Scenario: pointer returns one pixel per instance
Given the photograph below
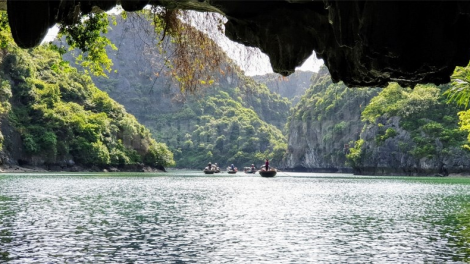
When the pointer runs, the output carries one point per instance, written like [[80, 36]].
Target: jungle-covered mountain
[[53, 116], [229, 119], [391, 131]]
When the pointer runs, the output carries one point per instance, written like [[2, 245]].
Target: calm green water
[[187, 217]]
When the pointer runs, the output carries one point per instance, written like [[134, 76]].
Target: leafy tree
[[459, 92], [356, 154], [87, 36]]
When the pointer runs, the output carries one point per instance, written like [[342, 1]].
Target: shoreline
[[39, 169], [148, 169]]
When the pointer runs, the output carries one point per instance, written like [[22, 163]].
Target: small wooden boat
[[269, 173], [249, 170], [232, 171], [209, 171]]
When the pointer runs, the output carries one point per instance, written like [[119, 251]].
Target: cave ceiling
[[363, 43]]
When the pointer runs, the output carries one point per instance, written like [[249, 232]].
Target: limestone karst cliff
[[411, 132], [327, 118], [390, 131]]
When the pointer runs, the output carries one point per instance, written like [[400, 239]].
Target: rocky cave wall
[[363, 43]]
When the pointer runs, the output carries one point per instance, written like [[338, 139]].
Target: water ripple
[[184, 219]]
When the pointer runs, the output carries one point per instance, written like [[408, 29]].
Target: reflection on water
[[462, 233], [186, 217]]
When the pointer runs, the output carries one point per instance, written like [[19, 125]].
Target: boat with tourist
[[217, 169], [268, 173], [211, 169], [250, 170], [232, 169]]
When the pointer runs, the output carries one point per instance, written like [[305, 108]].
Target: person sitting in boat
[[232, 167], [253, 167], [209, 166]]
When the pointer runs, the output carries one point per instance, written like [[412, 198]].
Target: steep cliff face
[[410, 132], [399, 155], [390, 131], [326, 120]]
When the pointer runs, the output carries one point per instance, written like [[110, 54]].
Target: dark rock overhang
[[363, 43]]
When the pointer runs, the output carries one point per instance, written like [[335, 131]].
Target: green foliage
[[464, 117], [227, 120], [87, 36], [389, 133], [340, 127], [30, 144], [356, 154], [5, 34], [61, 115], [459, 92], [159, 154], [325, 100], [228, 132], [423, 113], [385, 103], [329, 114], [5, 95]]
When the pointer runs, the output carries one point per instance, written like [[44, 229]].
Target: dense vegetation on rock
[[397, 131], [229, 119], [410, 132], [219, 128], [325, 120], [62, 118]]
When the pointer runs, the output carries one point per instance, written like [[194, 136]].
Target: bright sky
[[254, 62], [251, 60]]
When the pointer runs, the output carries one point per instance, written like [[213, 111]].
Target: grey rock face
[[394, 157], [323, 125]]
